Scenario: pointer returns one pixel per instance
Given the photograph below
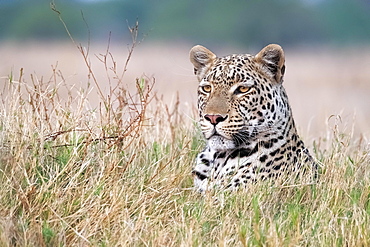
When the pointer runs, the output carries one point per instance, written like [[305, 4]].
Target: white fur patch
[[220, 143]]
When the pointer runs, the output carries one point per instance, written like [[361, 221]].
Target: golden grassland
[[320, 81], [109, 164]]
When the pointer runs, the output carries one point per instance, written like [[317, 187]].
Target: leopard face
[[240, 97]]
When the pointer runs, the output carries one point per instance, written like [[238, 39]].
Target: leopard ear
[[202, 59], [272, 60]]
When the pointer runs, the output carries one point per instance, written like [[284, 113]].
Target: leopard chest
[[248, 163], [260, 160]]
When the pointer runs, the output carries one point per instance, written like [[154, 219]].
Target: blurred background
[[327, 45]]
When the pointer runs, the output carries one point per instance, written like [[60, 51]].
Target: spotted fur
[[246, 119]]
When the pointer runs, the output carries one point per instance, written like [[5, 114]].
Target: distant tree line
[[238, 22]]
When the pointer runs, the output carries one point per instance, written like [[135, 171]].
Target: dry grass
[[117, 173]]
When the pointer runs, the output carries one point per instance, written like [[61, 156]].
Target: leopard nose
[[215, 119]]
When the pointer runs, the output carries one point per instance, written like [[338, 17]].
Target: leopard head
[[240, 97]]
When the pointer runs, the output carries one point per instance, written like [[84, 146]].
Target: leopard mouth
[[244, 134], [218, 134]]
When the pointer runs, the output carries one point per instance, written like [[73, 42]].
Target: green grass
[[119, 174]]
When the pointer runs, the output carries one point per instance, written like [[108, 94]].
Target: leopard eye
[[206, 88], [242, 89]]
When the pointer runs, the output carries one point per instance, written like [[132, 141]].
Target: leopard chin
[[217, 142]]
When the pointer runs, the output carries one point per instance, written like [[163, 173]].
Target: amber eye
[[242, 89], [206, 88]]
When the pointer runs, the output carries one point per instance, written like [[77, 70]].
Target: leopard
[[246, 120]]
